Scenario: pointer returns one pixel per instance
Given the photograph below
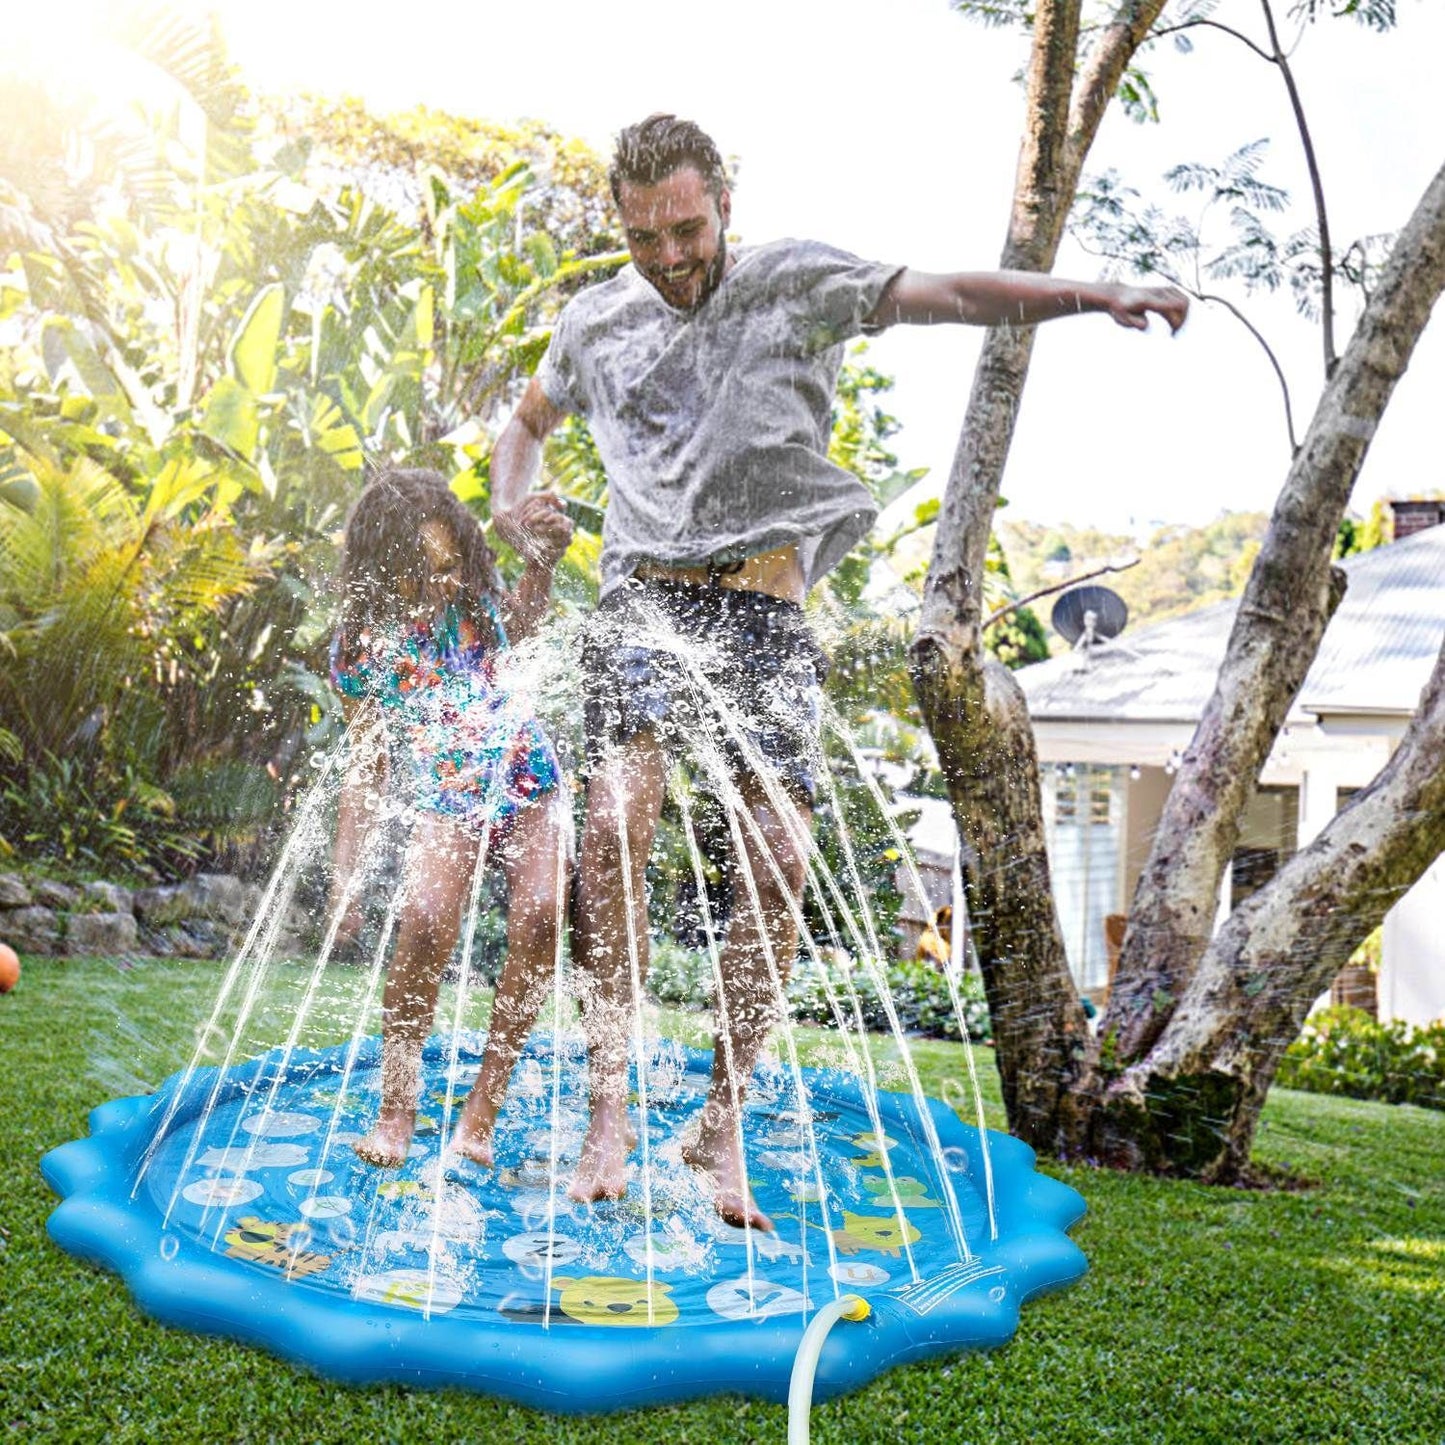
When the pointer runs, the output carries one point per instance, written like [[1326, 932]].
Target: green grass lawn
[[1207, 1315]]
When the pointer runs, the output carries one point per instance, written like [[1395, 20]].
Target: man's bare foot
[[717, 1156], [602, 1170], [387, 1144], [474, 1145]]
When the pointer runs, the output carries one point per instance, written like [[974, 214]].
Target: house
[[1113, 721], [924, 876]]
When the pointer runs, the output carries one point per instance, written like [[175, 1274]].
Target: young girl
[[424, 621]]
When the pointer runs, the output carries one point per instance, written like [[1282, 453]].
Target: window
[[1084, 795]]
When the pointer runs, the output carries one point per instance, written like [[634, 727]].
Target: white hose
[[805, 1362]]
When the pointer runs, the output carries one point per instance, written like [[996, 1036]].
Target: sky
[[891, 127]]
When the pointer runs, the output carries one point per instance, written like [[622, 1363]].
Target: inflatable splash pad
[[232, 1203]]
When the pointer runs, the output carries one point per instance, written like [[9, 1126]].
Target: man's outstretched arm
[[1019, 298], [531, 530]]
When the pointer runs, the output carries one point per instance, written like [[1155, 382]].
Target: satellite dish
[[1089, 615]]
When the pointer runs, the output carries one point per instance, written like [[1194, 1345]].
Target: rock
[[101, 934], [32, 930], [298, 920], [60, 896], [213, 938], [288, 948], [187, 944], [107, 897], [159, 906], [13, 892], [157, 942], [215, 895]]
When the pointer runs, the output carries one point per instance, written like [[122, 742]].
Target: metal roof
[[1376, 655]]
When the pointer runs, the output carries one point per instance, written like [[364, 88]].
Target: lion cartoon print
[[615, 1300]]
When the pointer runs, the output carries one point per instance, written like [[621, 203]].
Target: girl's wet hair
[[385, 567]]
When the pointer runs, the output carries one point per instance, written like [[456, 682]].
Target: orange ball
[[9, 968]]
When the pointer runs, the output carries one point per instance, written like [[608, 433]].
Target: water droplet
[[170, 1247], [955, 1160]]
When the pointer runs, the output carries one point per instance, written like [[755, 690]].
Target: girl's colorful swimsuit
[[478, 755]]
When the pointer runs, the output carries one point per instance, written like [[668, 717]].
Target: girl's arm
[[524, 607]]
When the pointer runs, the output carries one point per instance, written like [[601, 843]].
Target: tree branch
[[1239, 35], [1014, 606], [1268, 351], [1281, 619], [1099, 81], [1327, 260]]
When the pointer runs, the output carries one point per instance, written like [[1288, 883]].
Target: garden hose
[[805, 1362]]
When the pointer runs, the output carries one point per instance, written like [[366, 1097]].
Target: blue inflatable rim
[[971, 1302]]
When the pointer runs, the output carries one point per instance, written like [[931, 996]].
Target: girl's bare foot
[[602, 1170], [387, 1144], [716, 1155]]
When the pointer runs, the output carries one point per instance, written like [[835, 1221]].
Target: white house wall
[[1143, 807], [1085, 847], [1314, 764], [1412, 972]]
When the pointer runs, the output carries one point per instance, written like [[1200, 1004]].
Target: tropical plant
[[223, 322], [109, 605]]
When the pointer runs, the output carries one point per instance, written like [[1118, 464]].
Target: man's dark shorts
[[681, 659]]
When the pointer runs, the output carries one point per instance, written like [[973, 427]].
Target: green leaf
[[60, 342], [890, 488], [253, 347], [21, 492], [423, 320], [334, 435], [229, 415], [181, 482]]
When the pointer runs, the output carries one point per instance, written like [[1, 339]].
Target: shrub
[[680, 975], [919, 992], [1346, 1051], [83, 817]]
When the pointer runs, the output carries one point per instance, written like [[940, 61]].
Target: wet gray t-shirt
[[713, 424]]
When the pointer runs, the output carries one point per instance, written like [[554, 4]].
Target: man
[[707, 377]]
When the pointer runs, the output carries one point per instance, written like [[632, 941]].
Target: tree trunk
[[1291, 594], [1167, 1085], [973, 709], [1040, 1033], [1203, 1084]]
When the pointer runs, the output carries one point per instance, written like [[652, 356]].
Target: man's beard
[[717, 268], [711, 278]]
